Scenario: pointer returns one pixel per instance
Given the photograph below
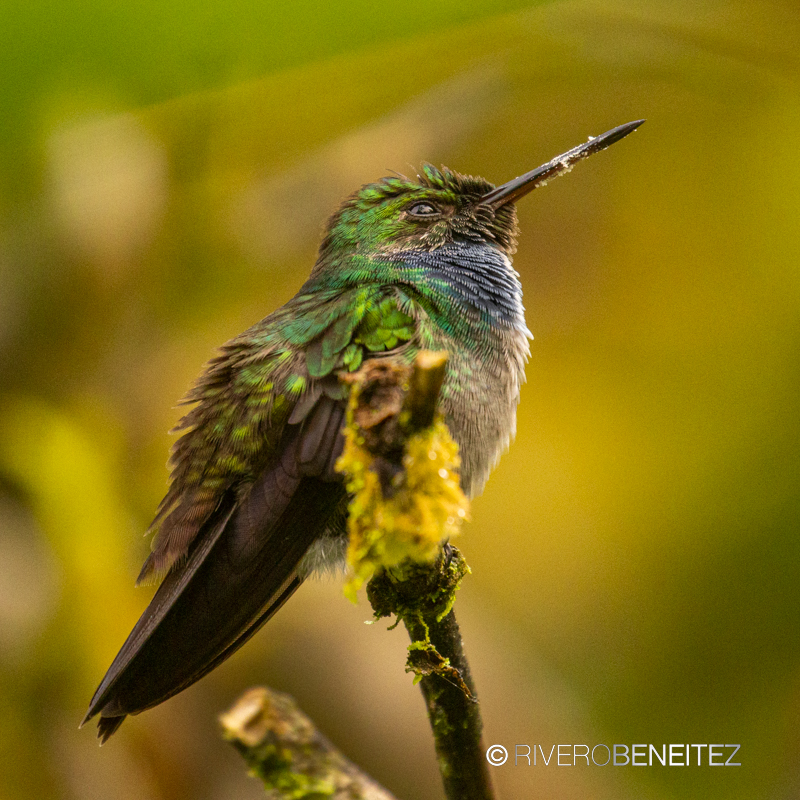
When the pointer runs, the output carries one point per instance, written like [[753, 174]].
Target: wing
[[269, 376], [253, 486], [237, 574]]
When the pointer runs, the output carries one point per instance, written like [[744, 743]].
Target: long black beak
[[519, 187]]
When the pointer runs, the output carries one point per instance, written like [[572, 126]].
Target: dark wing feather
[[240, 570], [252, 487]]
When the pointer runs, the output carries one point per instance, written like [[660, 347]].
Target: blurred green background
[[165, 170]]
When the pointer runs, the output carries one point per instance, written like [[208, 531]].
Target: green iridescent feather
[[248, 393]]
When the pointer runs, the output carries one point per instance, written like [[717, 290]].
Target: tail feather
[[106, 726], [240, 570]]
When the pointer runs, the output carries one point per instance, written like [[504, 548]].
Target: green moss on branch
[[291, 758]]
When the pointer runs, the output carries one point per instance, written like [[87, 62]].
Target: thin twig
[[422, 597]]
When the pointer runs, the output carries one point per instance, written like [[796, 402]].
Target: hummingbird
[[255, 504]]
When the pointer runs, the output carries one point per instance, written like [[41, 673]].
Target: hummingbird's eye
[[423, 210]]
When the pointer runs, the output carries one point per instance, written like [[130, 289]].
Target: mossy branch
[[401, 467], [422, 598], [289, 755], [394, 433]]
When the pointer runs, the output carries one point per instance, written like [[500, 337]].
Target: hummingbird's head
[[442, 207], [437, 207]]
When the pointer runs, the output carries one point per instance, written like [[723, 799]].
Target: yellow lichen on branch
[[403, 479]]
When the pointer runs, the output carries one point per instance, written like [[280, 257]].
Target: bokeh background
[[165, 170]]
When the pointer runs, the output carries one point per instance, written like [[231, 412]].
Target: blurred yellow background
[[165, 171]]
